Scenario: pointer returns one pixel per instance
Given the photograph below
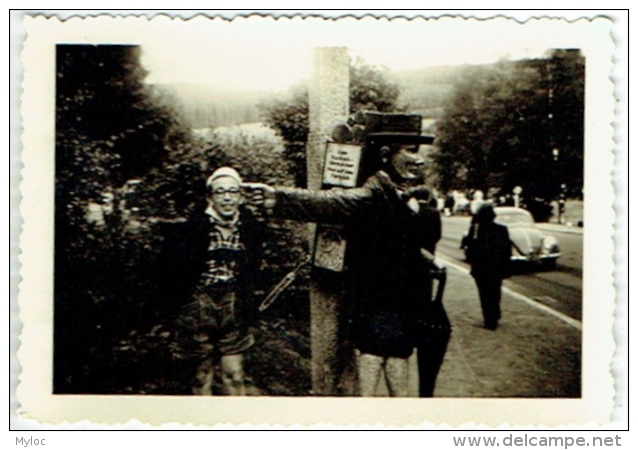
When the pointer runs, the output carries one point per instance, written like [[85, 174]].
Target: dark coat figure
[[384, 255], [489, 252], [389, 228]]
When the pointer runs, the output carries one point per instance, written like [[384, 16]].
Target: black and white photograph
[[393, 213]]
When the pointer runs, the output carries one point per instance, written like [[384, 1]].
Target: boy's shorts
[[212, 323]]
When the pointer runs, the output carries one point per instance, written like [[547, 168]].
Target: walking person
[[489, 251], [226, 240], [389, 225]]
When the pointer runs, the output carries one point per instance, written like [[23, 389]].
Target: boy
[[227, 253]]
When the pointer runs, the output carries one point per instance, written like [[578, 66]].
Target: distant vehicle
[[528, 242]]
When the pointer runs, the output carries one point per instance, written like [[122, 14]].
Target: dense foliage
[[109, 129], [516, 124], [288, 116], [372, 88]]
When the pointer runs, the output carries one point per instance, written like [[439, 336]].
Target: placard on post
[[341, 167], [341, 170]]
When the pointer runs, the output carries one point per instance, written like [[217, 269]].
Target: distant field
[[256, 130]]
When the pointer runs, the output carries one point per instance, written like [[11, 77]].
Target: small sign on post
[[330, 248], [342, 165]]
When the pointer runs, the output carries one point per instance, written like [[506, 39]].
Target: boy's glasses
[[232, 192]]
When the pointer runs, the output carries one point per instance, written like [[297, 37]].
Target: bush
[[128, 172]]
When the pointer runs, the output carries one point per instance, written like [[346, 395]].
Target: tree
[[370, 88], [566, 82], [504, 122], [288, 116], [488, 127], [110, 128]]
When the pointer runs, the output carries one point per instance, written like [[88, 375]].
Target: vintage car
[[529, 243]]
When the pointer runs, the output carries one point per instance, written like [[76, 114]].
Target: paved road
[[560, 289], [535, 352]]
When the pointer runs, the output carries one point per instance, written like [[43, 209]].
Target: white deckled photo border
[[602, 326]]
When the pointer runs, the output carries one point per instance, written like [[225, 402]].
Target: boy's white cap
[[224, 172]]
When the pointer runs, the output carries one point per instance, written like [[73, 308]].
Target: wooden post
[[328, 105]]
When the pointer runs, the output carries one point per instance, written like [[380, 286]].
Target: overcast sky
[[261, 53]]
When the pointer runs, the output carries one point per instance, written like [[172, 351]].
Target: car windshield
[[514, 218]]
